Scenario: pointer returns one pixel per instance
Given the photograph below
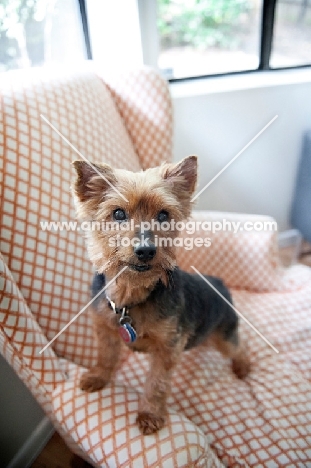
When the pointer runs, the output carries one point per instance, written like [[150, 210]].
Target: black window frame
[[85, 26], [267, 28]]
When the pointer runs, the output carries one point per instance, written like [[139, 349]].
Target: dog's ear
[[92, 180], [183, 175]]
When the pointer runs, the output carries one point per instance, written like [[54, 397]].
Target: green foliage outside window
[[201, 23]]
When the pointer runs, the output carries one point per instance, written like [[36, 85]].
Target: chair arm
[[143, 100], [241, 249], [21, 339], [103, 425]]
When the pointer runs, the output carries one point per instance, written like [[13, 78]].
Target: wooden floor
[[57, 455]]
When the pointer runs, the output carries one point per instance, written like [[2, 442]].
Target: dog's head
[[133, 216]]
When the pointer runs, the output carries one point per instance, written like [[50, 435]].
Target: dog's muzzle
[[145, 250]]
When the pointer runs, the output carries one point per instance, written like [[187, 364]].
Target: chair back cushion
[[51, 268], [144, 102]]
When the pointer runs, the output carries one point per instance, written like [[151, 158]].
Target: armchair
[[215, 420]]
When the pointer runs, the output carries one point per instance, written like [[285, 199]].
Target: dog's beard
[[139, 274]]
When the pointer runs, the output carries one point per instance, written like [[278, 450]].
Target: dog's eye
[[162, 216], [119, 215]]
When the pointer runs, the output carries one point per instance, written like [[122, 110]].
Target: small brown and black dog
[[152, 305]]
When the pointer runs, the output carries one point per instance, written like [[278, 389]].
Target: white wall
[[216, 118]]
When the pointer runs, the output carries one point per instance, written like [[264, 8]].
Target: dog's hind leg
[[229, 344]]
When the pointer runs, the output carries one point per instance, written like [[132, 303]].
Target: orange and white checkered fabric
[[23, 335], [262, 421], [143, 100], [51, 268], [245, 259], [214, 419], [103, 424]]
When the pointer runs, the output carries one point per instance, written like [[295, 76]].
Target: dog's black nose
[[145, 252]]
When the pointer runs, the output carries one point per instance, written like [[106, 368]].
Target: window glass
[[34, 32], [292, 34], [202, 37]]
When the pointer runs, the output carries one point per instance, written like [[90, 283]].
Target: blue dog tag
[[127, 332]]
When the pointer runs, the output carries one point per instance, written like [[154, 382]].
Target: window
[[34, 32], [115, 36], [292, 34], [207, 37], [183, 38]]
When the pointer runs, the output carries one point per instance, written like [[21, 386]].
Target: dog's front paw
[[93, 380], [149, 423]]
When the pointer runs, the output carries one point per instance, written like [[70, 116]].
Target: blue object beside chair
[[301, 207]]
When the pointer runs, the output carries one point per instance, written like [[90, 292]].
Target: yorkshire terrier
[[149, 303]]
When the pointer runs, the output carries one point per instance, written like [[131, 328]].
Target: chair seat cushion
[[264, 420]]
